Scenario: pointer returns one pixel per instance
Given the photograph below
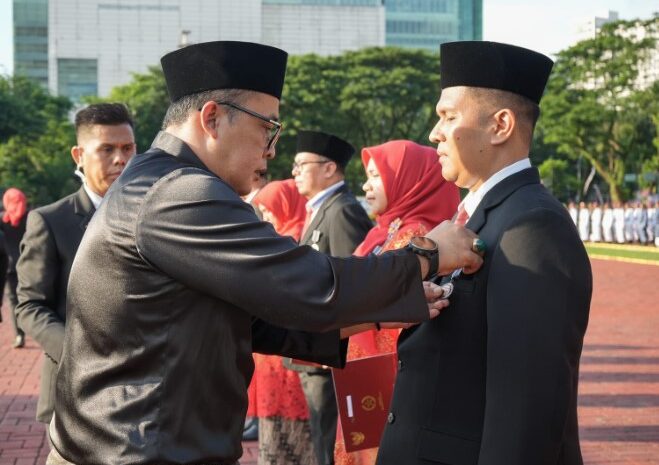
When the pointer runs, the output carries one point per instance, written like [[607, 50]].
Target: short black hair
[[526, 110], [107, 114]]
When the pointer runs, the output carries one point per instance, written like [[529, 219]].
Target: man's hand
[[436, 302], [455, 248]]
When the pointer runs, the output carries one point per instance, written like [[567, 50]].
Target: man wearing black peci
[[493, 380], [157, 351]]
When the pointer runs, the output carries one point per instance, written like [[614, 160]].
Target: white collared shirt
[[473, 199], [93, 196], [315, 202]]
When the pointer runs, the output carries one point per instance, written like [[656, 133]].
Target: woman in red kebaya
[[408, 197], [275, 394]]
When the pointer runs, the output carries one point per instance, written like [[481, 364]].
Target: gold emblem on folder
[[369, 403], [357, 438]]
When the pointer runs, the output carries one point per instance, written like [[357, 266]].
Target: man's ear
[[504, 123], [208, 118], [76, 154], [330, 169]]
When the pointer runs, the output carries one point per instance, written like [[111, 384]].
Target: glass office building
[[31, 39], [428, 23]]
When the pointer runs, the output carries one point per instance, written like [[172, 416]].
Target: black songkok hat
[[494, 66], [224, 65], [327, 145]]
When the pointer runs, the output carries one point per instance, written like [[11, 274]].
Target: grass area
[[649, 253]]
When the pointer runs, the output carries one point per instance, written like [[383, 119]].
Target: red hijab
[[15, 205], [286, 204], [416, 191]]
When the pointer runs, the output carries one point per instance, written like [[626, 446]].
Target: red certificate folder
[[363, 392]]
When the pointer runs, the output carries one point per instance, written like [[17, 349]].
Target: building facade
[[428, 23], [87, 47], [325, 27], [31, 39], [97, 44]]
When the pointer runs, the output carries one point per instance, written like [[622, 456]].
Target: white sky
[[542, 25]]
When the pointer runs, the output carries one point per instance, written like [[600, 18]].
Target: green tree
[[558, 177], [368, 97], [146, 97], [35, 141], [27, 107], [40, 165], [592, 108]]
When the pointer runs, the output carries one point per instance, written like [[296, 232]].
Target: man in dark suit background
[[336, 224], [493, 380], [105, 143]]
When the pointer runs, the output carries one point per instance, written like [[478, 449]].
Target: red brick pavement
[[619, 390]]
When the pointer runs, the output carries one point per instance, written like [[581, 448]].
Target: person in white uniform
[[584, 221], [619, 222], [595, 222], [607, 223]]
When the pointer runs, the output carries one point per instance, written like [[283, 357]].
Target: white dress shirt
[[473, 199]]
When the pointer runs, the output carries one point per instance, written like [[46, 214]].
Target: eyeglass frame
[[277, 124], [299, 166]]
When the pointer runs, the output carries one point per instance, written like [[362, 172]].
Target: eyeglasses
[[298, 166], [275, 130]]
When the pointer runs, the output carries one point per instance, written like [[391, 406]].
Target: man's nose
[[435, 135]]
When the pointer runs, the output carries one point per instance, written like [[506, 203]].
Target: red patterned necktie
[[462, 216], [307, 221]]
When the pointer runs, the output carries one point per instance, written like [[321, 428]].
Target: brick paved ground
[[619, 390]]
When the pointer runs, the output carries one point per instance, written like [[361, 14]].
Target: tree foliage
[[27, 107], [146, 97], [35, 141], [593, 108], [367, 97]]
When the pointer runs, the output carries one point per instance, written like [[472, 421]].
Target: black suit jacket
[[159, 336], [493, 379], [51, 240]]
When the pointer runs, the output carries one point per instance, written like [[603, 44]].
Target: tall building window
[[31, 39], [428, 23], [77, 78]]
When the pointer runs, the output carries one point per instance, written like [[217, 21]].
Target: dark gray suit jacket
[[493, 379], [339, 226], [159, 337], [49, 245]]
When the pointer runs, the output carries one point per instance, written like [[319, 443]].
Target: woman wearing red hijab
[[408, 196], [275, 394], [12, 226]]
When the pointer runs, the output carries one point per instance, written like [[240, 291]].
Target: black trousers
[[12, 284], [319, 391]]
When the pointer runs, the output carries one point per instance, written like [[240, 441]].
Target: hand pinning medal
[[478, 246]]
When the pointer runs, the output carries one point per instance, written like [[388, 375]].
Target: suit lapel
[[320, 215], [83, 208], [499, 193]]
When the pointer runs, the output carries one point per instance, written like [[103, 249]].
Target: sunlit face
[[310, 172], [374, 189], [461, 139], [239, 153], [102, 153]]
